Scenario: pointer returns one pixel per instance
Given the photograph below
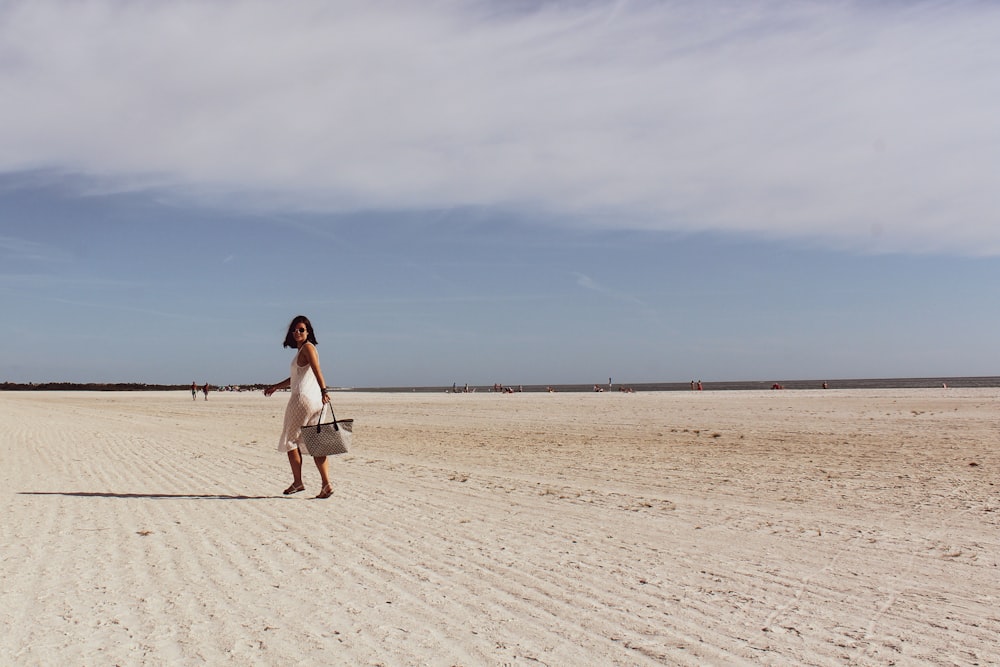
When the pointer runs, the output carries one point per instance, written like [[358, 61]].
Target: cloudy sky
[[516, 192]]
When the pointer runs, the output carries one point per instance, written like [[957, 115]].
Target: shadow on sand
[[105, 494]]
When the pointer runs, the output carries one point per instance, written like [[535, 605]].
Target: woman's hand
[[284, 384], [326, 397]]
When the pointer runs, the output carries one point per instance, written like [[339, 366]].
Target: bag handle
[[319, 423]]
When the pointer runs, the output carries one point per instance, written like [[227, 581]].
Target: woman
[[305, 404]]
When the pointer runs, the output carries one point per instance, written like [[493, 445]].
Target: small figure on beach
[[305, 403], [194, 391], [699, 386], [205, 390]]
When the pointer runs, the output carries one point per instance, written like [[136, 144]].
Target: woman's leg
[[324, 475], [295, 460]]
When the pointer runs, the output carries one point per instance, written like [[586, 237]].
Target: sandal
[[326, 492], [294, 488]]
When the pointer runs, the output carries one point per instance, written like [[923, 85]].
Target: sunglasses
[[300, 330]]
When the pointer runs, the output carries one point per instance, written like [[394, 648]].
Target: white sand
[[711, 528]]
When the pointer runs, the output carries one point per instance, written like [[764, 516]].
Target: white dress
[[304, 405]]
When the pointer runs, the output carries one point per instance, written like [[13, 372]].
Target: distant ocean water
[[880, 383]]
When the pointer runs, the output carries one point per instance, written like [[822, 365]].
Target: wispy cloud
[[588, 283], [22, 250], [866, 125]]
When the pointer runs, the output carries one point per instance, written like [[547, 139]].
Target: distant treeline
[[885, 383], [90, 386]]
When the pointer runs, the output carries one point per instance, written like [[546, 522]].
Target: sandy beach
[[848, 527]]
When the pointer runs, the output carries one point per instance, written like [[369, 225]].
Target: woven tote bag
[[327, 438]]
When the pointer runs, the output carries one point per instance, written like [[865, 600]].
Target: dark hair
[[310, 336]]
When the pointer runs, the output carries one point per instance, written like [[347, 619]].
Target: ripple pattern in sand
[[145, 530]]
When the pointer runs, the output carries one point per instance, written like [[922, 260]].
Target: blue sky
[[484, 192]]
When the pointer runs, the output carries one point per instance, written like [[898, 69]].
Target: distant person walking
[[194, 392], [304, 405], [205, 390]]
